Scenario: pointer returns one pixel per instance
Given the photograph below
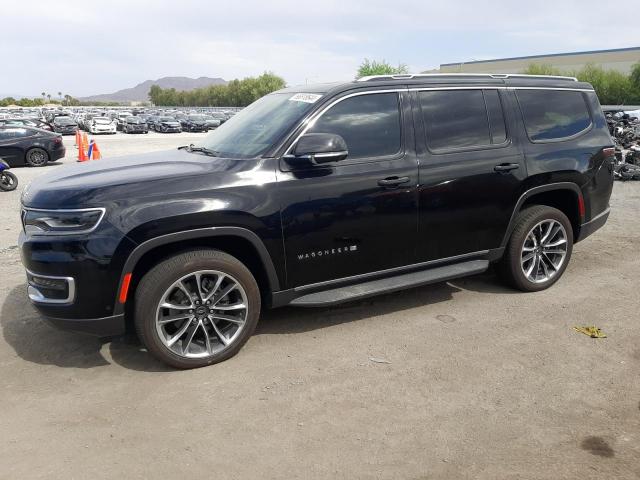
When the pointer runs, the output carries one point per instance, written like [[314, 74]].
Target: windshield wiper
[[206, 151]]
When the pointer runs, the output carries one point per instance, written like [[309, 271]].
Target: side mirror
[[318, 148]]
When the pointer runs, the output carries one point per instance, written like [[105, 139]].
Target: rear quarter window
[[552, 115]]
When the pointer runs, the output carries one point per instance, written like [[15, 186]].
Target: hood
[[171, 122], [100, 182]]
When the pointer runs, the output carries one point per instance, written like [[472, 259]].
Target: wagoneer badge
[[328, 252]]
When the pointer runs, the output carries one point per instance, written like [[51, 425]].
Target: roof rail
[[411, 76]]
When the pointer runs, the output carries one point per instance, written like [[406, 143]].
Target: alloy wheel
[[37, 157], [544, 251], [201, 314]]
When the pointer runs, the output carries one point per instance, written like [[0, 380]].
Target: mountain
[[140, 93]]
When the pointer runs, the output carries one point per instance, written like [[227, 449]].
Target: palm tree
[[49, 97], [60, 95], [43, 95]]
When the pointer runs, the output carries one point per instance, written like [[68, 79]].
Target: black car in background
[[26, 122], [134, 125], [65, 125], [167, 125], [33, 147], [151, 121], [194, 123]]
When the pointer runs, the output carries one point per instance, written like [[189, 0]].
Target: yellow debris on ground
[[593, 332]]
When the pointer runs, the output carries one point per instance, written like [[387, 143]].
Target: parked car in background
[[211, 122], [135, 124], [84, 120], [50, 116], [219, 116], [167, 125], [101, 125], [29, 146], [194, 123], [65, 125], [27, 122], [120, 119], [151, 121]]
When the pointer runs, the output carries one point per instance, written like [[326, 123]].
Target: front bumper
[[76, 278], [99, 327], [166, 129]]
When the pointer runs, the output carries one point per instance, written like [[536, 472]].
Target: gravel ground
[[465, 379]]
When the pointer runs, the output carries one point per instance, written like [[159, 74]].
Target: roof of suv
[[445, 79]]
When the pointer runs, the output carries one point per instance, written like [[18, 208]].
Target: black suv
[[318, 195]]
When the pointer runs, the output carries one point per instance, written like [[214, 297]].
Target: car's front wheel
[[539, 249], [196, 308]]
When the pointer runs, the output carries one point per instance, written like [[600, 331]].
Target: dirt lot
[[481, 381]]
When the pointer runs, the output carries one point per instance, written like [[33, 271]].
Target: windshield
[[101, 120], [197, 117], [166, 119], [256, 128]]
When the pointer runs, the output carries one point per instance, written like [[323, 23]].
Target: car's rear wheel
[[539, 249], [196, 308], [37, 157]]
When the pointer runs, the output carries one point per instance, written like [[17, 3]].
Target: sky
[[83, 48]]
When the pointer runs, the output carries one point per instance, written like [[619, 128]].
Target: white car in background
[[102, 125]]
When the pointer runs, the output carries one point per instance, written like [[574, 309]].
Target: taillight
[[609, 152]]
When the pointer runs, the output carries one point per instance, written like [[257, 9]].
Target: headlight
[[61, 222]]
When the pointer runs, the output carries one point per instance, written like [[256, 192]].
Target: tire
[[529, 244], [8, 181], [211, 342], [36, 157]]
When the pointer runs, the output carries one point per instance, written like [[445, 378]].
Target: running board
[[390, 284]]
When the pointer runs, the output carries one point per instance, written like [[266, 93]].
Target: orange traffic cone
[[85, 141], [78, 138], [96, 152], [82, 157]]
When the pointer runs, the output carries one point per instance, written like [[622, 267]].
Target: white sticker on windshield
[[305, 97]]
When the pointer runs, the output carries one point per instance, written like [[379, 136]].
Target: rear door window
[[553, 114], [11, 133], [462, 119]]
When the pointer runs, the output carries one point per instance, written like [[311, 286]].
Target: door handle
[[393, 181], [506, 167]]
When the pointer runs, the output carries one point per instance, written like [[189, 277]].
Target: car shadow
[[487, 282], [36, 342]]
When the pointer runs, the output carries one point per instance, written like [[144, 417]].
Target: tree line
[[236, 93], [67, 101], [611, 86]]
